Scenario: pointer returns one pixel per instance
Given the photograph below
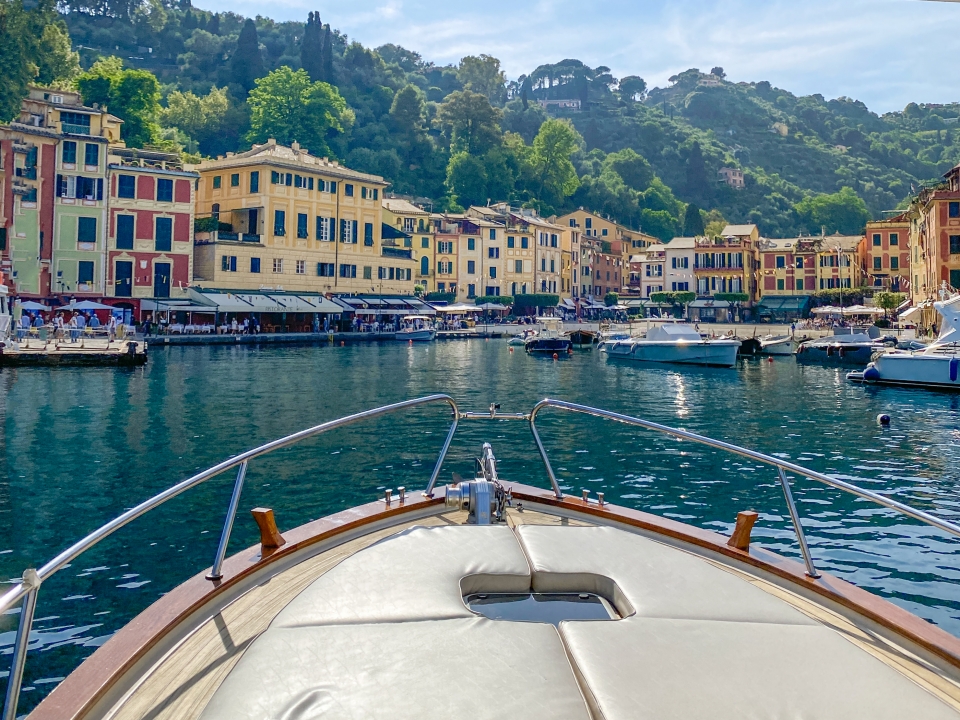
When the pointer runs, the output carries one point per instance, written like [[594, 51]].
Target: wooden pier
[[83, 352]]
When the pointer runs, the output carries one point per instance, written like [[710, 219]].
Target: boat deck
[[376, 626]]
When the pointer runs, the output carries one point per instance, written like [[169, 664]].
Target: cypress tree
[[693, 222], [327, 55], [311, 47], [697, 185], [246, 65], [213, 27]]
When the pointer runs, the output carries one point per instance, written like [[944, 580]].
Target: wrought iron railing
[[27, 588]]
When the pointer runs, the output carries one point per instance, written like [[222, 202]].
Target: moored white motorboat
[[843, 349], [935, 366], [777, 345], [549, 340], [521, 338], [416, 328], [677, 343]]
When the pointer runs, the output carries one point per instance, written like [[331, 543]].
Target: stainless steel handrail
[[32, 579], [781, 465]]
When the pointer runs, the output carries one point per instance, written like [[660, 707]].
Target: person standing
[[24, 325], [111, 328], [72, 325]]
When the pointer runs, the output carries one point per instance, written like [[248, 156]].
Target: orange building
[[888, 253]]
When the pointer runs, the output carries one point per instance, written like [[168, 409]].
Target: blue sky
[[885, 52]]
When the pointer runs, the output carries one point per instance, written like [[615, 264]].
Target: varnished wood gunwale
[[882, 612], [81, 690], [93, 679]]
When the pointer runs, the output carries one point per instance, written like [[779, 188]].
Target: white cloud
[[884, 52]]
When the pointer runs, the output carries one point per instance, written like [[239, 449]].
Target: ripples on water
[[80, 446]]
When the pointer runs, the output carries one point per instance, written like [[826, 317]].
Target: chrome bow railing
[[29, 586]]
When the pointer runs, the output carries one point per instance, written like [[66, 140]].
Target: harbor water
[[81, 445]]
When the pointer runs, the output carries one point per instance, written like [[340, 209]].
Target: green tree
[[328, 55], [483, 75], [633, 168], [697, 185], [470, 122], [888, 301], [408, 110], [693, 222], [842, 212], [131, 95], [287, 106], [467, 179], [246, 64], [553, 173], [633, 88], [199, 116], [56, 60], [311, 47]]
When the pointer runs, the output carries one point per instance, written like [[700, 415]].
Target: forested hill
[[459, 135]]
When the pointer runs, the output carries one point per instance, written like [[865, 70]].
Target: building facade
[[935, 240], [277, 217], [653, 270], [888, 253], [414, 222], [840, 260], [788, 267], [727, 264], [149, 225], [679, 260]]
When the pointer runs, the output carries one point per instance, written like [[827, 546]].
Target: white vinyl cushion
[[413, 575], [656, 579], [444, 669], [654, 669]]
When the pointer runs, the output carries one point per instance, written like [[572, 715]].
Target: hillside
[[462, 134]]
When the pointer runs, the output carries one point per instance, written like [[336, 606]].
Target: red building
[[888, 253], [150, 227]]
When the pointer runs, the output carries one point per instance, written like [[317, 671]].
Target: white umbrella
[[492, 306], [31, 305], [89, 305]]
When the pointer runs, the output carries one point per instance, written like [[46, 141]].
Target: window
[[324, 229], [85, 272], [876, 239], [518, 266], [543, 265], [894, 238], [125, 232], [91, 154], [471, 290], [368, 234], [255, 181], [278, 265], [779, 283], [215, 211], [493, 252], [376, 196], [799, 284], [894, 263], [363, 193], [69, 152], [511, 241], [228, 263], [279, 222], [87, 230], [254, 265], [588, 223], [444, 247], [309, 183], [348, 271], [524, 243], [425, 243], [444, 267], [299, 182], [493, 273], [275, 178], [348, 231], [325, 270], [800, 263], [471, 244], [301, 267], [781, 261], [126, 186], [604, 232], [493, 234], [164, 231], [217, 181], [367, 272], [288, 179], [554, 240], [471, 267], [553, 267], [877, 263], [955, 244], [302, 225], [954, 209], [164, 190], [235, 180], [348, 191]]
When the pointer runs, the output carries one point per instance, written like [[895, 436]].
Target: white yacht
[[417, 328], [676, 343], [935, 366], [778, 345], [490, 599]]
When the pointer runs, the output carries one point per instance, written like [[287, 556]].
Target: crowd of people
[[62, 326]]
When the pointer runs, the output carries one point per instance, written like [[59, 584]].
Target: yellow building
[[414, 221], [278, 217], [590, 224]]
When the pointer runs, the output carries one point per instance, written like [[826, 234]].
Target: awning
[[462, 308], [784, 303], [227, 302], [911, 313], [569, 304], [710, 304], [183, 306]]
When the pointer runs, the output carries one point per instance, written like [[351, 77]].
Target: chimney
[[295, 146]]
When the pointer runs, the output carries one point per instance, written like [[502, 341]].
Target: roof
[[388, 232], [402, 207], [682, 243], [776, 244], [846, 243], [738, 230], [294, 158]]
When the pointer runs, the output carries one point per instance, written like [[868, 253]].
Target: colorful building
[[653, 270], [448, 230], [788, 267], [840, 261], [888, 253], [679, 257], [727, 264], [935, 240], [277, 217], [150, 226], [415, 229]]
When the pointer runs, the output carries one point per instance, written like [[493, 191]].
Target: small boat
[[549, 339], [677, 343], [935, 366], [490, 598], [749, 347], [582, 337], [416, 328], [778, 345], [844, 349], [605, 338], [521, 338]]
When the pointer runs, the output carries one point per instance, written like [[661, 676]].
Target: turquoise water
[[80, 446]]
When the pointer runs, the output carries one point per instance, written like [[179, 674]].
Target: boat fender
[[556, 357], [769, 359], [829, 350], [841, 352], [871, 374], [883, 419], [511, 349], [954, 363]]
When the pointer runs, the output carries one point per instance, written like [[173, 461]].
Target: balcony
[[249, 237], [395, 252], [27, 173], [74, 129]]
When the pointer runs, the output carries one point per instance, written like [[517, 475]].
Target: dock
[[83, 352]]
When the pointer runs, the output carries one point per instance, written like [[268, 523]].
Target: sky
[[886, 53]]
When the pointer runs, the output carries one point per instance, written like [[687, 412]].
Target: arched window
[[424, 265]]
